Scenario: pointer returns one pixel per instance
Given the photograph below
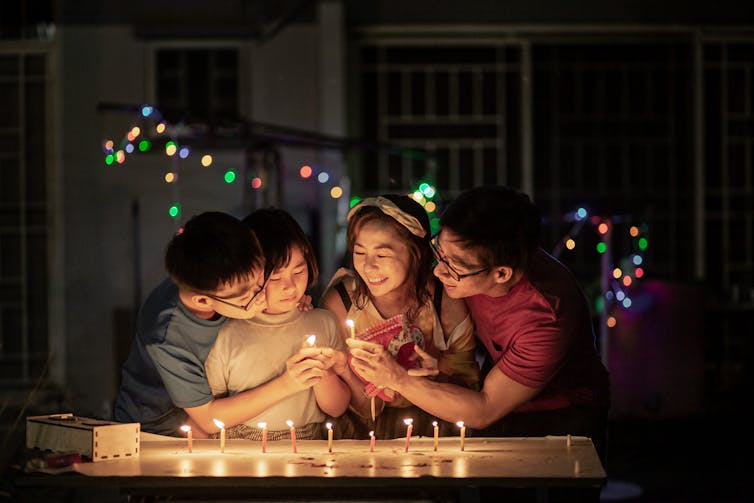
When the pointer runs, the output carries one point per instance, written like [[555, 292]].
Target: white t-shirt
[[249, 353]]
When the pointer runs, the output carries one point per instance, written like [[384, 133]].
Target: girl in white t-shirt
[[293, 379]]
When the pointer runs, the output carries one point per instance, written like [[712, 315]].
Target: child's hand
[[305, 304], [428, 363], [304, 368], [334, 359]]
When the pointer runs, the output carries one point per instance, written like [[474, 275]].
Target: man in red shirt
[[544, 375]]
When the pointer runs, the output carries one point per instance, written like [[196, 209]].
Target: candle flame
[[371, 433], [434, 423], [460, 424], [289, 423], [311, 339], [408, 421], [186, 428], [219, 423], [328, 426], [262, 425], [349, 323]]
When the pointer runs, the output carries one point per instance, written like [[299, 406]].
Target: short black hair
[[500, 221], [211, 249], [278, 233]]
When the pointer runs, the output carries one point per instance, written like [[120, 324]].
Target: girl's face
[[380, 258], [287, 284]]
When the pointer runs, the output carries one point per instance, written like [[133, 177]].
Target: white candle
[[436, 431], [463, 433], [264, 435], [372, 440], [312, 339], [372, 408], [293, 434], [351, 326], [409, 429], [189, 437], [329, 436], [221, 425]]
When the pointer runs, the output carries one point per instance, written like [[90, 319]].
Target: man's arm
[[499, 396]]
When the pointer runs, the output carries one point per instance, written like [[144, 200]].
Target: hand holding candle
[[293, 435], [351, 327], [189, 437], [409, 429], [372, 440], [221, 425], [463, 433], [329, 436], [264, 435], [436, 431]]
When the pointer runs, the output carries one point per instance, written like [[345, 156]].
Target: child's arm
[[302, 372], [332, 394]]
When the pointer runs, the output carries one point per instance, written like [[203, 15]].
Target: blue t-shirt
[[164, 372]]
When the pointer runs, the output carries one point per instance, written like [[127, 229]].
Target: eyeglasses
[[238, 306], [457, 276]]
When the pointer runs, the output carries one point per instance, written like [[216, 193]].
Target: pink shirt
[[540, 335]]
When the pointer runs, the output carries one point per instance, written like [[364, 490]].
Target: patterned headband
[[390, 209]]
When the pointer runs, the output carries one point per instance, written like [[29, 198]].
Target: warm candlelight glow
[[329, 436], [189, 437], [293, 434], [263, 426], [351, 326], [372, 440], [463, 433], [311, 339], [221, 425], [436, 432], [409, 429]]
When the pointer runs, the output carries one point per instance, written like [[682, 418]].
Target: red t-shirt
[[540, 335]]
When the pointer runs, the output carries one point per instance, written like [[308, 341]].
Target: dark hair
[[420, 253], [501, 222], [212, 248], [279, 233]]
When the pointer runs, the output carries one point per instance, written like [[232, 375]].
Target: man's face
[[461, 270]]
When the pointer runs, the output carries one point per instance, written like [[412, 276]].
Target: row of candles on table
[[372, 439], [311, 340]]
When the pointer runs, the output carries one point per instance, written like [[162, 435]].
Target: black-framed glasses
[[457, 276], [238, 306]]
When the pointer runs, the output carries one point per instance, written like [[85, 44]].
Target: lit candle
[[437, 432], [264, 435], [351, 326], [189, 437], [311, 340], [409, 429], [463, 433], [293, 434], [329, 436], [372, 440], [221, 425]]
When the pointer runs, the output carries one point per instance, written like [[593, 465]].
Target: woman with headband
[[392, 297]]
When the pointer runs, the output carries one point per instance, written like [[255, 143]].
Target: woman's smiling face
[[380, 258]]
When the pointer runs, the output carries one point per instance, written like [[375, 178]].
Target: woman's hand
[[428, 364], [375, 364]]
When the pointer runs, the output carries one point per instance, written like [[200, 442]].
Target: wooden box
[[96, 439]]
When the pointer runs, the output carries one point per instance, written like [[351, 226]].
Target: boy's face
[[287, 284], [240, 299], [459, 269]]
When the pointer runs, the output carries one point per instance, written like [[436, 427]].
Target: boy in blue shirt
[[215, 267]]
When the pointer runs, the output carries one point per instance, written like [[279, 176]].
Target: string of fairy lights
[[617, 276], [158, 133], [153, 132]]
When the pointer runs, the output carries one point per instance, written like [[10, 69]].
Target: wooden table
[[164, 467]]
